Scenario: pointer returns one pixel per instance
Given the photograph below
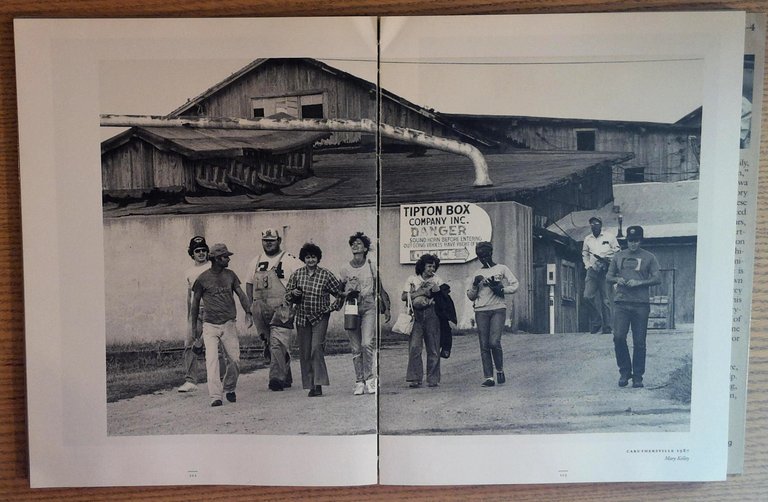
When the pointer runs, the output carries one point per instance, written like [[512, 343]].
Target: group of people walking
[[282, 294]]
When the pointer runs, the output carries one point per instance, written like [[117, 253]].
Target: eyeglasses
[[200, 250]]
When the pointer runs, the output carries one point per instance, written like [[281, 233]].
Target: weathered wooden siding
[[281, 77], [512, 241], [139, 167], [665, 155], [590, 189], [566, 310], [679, 256]]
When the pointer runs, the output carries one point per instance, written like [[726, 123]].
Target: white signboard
[[448, 230]]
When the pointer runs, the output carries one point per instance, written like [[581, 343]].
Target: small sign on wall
[[448, 230]]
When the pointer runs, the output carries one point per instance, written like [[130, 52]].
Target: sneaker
[[500, 378], [488, 382], [231, 397], [445, 354], [187, 387], [370, 386], [623, 381], [275, 384], [359, 389], [316, 391], [414, 385], [216, 402], [637, 383]]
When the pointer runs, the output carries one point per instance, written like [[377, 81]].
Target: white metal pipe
[[325, 125]]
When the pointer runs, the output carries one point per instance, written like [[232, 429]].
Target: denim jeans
[[490, 324], [426, 331], [312, 353], [226, 335], [362, 342], [634, 315], [597, 294]]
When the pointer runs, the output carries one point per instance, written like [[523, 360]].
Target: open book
[[318, 157]]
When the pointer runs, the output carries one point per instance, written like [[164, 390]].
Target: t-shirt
[[486, 299], [193, 273], [415, 282], [217, 293], [358, 279], [638, 265], [286, 265]]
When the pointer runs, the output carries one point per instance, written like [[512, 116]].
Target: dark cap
[[270, 234], [483, 245], [634, 233], [219, 250], [597, 219], [197, 242]]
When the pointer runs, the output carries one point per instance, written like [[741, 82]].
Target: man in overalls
[[272, 316]]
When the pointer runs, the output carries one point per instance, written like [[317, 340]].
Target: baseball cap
[[634, 233], [196, 242], [219, 250], [597, 219], [270, 234]]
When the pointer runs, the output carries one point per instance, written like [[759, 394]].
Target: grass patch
[[680, 382]]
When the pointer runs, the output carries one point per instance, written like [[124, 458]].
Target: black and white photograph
[[549, 305], [286, 211], [540, 242], [378, 245]]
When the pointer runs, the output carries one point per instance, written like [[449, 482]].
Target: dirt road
[[555, 384]]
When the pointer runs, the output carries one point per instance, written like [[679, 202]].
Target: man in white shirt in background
[[599, 247]]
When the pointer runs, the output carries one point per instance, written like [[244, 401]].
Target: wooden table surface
[[14, 478]]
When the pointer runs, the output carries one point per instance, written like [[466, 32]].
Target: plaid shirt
[[316, 290]]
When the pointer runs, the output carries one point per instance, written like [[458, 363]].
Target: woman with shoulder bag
[[426, 326], [360, 310]]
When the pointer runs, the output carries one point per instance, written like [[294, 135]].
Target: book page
[[752, 105], [575, 221], [113, 221]]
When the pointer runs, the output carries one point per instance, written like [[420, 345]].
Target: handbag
[[404, 322], [384, 302]]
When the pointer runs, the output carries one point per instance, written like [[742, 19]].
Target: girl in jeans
[[487, 291]]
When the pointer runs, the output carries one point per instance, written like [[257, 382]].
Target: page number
[[191, 474], [563, 473]]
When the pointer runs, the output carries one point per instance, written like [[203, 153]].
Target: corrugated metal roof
[[349, 180], [199, 143], [662, 209]]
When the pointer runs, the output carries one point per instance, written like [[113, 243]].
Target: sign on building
[[448, 230]]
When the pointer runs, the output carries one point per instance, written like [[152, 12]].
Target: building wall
[[566, 310], [511, 223], [680, 257], [139, 166], [343, 98], [146, 257], [666, 155]]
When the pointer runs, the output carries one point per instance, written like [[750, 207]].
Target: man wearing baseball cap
[[633, 270], [215, 288], [198, 251], [267, 275], [598, 249]]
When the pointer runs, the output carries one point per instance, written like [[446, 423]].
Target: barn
[[662, 152]]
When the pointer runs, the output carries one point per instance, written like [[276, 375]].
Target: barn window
[[567, 280], [307, 106], [585, 140], [634, 174]]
